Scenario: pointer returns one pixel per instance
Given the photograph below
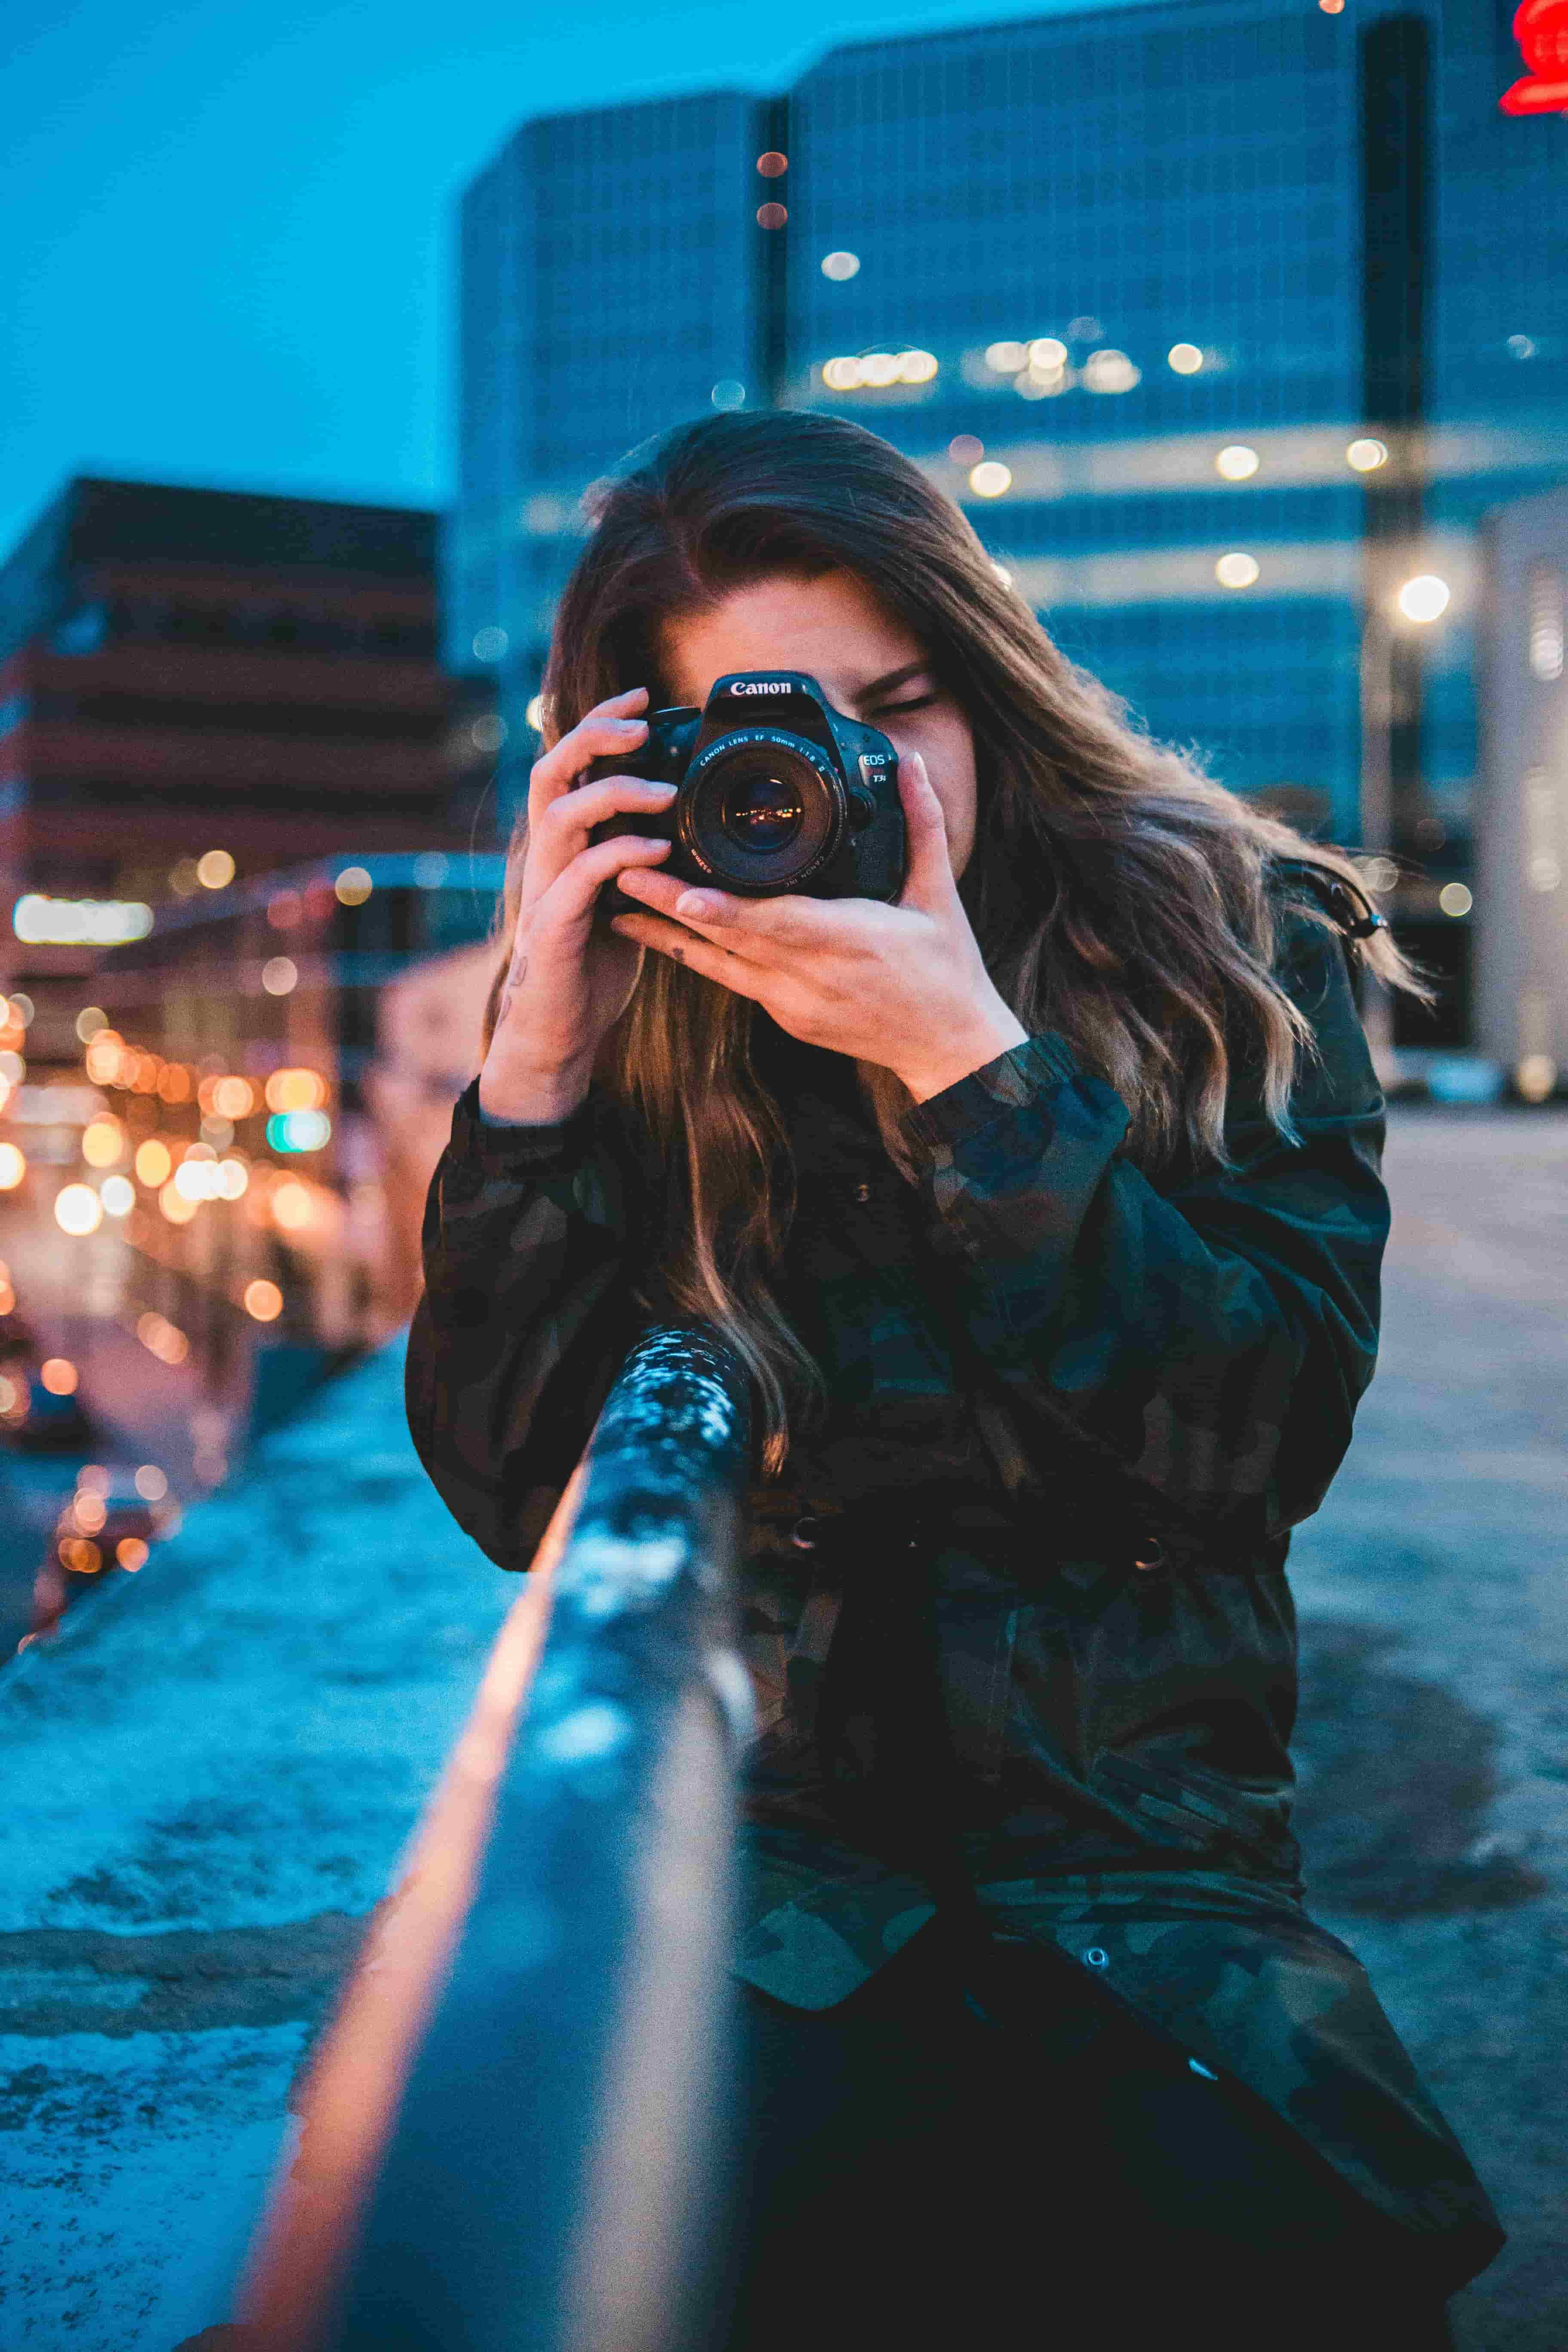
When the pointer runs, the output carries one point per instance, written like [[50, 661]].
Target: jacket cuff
[[505, 1148], [1015, 1079]]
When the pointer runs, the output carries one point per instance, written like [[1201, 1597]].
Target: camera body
[[777, 791]]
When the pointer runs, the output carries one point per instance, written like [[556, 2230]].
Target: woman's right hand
[[568, 982]]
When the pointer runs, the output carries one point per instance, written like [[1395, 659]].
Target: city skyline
[[232, 232]]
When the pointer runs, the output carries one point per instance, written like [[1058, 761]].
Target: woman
[[1044, 1208]]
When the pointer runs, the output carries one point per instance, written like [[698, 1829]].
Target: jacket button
[[1096, 1959], [1150, 1555], [862, 1192], [803, 1535]]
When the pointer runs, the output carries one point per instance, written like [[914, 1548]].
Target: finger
[[680, 946], [751, 926], [570, 898], [928, 880], [563, 829], [609, 728]]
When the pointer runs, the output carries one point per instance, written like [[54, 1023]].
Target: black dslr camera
[[777, 791]]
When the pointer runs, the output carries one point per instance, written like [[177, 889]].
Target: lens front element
[[762, 810]]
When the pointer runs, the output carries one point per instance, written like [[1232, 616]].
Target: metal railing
[[509, 2134]]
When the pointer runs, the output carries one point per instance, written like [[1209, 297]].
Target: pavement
[[1432, 1744], [208, 1779]]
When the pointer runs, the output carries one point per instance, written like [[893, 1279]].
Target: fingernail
[[667, 790]]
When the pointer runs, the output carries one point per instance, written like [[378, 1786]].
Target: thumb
[[928, 881]]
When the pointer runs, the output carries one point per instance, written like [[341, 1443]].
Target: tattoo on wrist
[[516, 975]]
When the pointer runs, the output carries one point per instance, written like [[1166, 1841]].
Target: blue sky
[[229, 224]]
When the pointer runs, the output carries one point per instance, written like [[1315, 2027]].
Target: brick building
[[187, 671]]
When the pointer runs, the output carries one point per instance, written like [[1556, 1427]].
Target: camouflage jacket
[[1017, 1614]]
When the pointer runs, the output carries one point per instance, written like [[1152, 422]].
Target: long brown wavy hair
[[1119, 896]]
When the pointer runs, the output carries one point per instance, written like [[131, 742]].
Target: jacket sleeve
[[533, 1241], [1197, 1351]]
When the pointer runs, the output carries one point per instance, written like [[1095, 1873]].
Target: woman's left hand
[[901, 986]]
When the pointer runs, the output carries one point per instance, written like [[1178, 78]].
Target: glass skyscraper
[[1223, 322]]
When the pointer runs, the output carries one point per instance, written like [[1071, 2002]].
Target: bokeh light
[[118, 1194], [1424, 598], [176, 1206], [163, 1340], [298, 1131], [234, 1098], [1367, 455], [1236, 464], [78, 1209], [150, 1483], [990, 479], [103, 1142], [90, 1021], [103, 1058], [354, 885], [291, 1205], [13, 1167], [1110, 371], [1237, 570], [215, 869], [1454, 900], [264, 1300], [1185, 358], [58, 1375], [131, 1553], [279, 974], [196, 1177], [840, 266], [154, 1163]]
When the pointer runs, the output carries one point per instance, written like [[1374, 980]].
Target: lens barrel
[[762, 809]]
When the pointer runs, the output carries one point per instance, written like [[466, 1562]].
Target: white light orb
[[78, 1209], [1425, 598], [990, 479]]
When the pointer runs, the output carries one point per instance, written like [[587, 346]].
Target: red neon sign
[[1540, 28]]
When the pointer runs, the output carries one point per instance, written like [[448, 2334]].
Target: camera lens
[[760, 812]]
